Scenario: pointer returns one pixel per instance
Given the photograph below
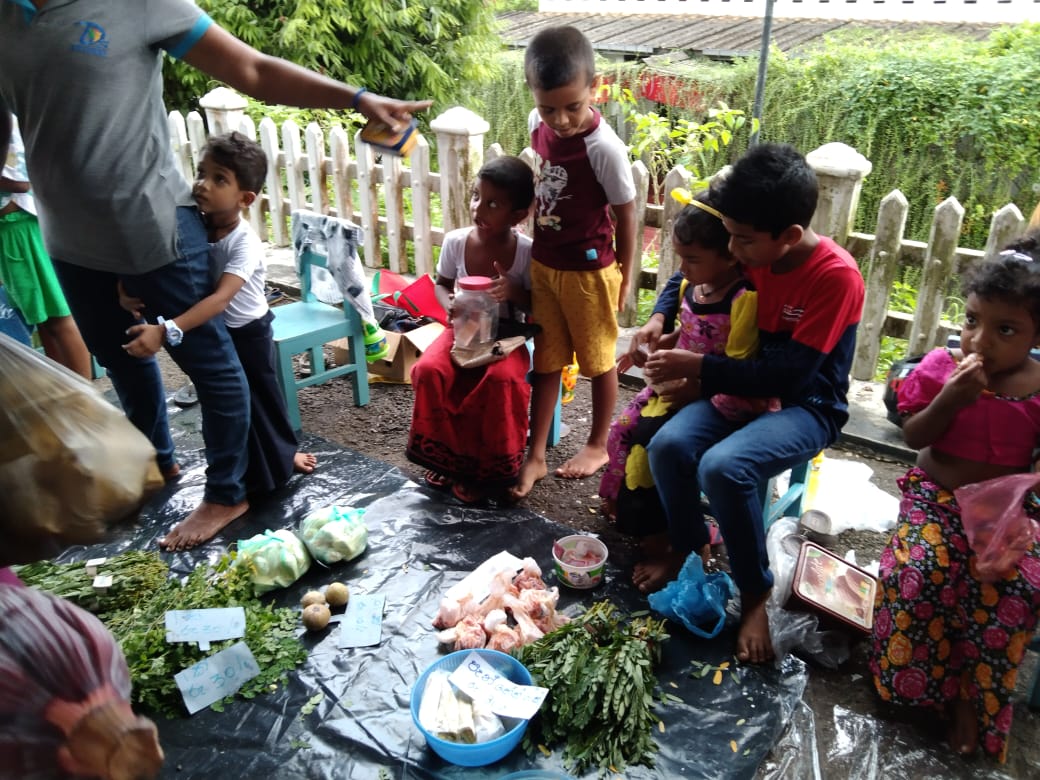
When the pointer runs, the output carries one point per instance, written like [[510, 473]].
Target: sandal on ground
[[466, 494], [186, 396], [436, 480], [272, 294]]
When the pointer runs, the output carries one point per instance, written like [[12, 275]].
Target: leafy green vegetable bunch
[[599, 672], [136, 616]]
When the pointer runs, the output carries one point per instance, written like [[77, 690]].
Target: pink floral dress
[[939, 631]]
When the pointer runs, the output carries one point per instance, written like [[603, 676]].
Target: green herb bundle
[[599, 672], [133, 573], [139, 624]]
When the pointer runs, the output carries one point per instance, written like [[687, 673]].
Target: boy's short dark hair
[[694, 225], [771, 187], [240, 155], [1012, 277], [556, 56], [514, 176]]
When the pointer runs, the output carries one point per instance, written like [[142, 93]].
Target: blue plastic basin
[[481, 753]]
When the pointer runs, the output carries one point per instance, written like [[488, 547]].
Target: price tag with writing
[[362, 623], [205, 625], [213, 678], [478, 679]]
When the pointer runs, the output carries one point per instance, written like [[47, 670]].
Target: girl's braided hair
[[1013, 276]]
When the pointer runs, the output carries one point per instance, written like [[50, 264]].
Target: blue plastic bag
[[696, 599]]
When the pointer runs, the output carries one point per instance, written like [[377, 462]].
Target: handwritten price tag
[[362, 623], [213, 678], [205, 625], [481, 681]]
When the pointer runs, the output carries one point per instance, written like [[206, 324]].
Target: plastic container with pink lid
[[474, 313]]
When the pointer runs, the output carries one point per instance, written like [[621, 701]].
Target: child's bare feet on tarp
[[533, 470], [205, 522], [171, 472], [304, 463], [963, 733], [753, 642], [587, 462]]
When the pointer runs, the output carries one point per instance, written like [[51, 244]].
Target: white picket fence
[[395, 201]]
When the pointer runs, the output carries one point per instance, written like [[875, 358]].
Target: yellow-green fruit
[[316, 617], [337, 594], [312, 597]]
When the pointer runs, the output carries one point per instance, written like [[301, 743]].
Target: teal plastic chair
[[787, 505], [306, 326]]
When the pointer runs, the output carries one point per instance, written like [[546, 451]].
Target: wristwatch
[[174, 335]]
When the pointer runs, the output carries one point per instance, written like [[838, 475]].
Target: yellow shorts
[[578, 314]]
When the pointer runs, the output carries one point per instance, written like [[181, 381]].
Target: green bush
[[415, 50]]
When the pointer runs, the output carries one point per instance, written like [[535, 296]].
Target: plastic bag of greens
[[335, 533], [274, 559]]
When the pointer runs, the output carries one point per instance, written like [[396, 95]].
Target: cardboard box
[[403, 349]]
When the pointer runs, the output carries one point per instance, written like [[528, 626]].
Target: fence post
[[181, 146], [882, 269], [630, 313], [938, 268], [275, 204], [678, 177], [840, 170], [256, 210], [422, 230], [224, 110], [460, 151], [1006, 225]]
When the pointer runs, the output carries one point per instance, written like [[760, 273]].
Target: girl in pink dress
[[944, 638]]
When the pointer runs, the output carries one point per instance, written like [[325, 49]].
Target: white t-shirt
[[14, 168], [452, 262], [241, 252]]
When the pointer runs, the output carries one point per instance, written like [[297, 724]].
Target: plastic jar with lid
[[474, 313]]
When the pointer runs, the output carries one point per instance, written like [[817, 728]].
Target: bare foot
[[586, 463], [171, 472], [653, 574], [608, 508], [205, 522], [304, 463], [532, 471], [753, 642], [963, 733]]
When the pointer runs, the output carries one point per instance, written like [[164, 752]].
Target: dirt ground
[[379, 430]]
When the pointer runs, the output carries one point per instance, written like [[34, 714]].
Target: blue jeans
[[206, 355], [699, 449]]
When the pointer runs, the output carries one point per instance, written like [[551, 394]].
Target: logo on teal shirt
[[92, 40]]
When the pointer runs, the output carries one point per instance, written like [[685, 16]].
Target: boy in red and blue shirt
[[810, 297]]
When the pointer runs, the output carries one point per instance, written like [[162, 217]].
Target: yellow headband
[[686, 198]]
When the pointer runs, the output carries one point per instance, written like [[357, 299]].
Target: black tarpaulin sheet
[[420, 543]]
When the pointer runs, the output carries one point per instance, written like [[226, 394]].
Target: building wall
[[981, 11]]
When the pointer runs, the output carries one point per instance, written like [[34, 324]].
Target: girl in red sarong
[[469, 426]]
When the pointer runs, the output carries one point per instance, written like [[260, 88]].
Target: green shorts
[[26, 271]]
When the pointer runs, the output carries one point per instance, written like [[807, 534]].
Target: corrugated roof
[[723, 36]]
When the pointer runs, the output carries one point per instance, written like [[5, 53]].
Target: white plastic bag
[[335, 533], [274, 559]]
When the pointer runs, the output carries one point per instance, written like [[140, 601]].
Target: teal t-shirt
[[84, 78]]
